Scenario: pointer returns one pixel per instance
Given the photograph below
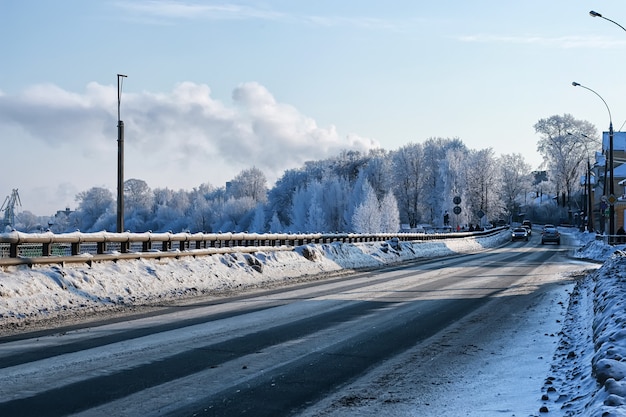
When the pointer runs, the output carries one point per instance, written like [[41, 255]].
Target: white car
[[519, 233]]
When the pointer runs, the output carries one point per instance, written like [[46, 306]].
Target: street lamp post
[[589, 198], [120, 158], [611, 208], [611, 196]]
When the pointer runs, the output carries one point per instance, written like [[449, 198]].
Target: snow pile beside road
[[589, 368], [44, 292]]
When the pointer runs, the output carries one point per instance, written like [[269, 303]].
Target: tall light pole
[[120, 157], [611, 197], [611, 208]]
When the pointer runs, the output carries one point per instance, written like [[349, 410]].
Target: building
[[619, 175]]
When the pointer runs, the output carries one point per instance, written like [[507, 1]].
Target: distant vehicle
[[519, 233], [550, 234], [549, 226], [528, 225]]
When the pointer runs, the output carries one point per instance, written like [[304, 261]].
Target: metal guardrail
[[17, 248]]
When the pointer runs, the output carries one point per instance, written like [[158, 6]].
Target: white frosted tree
[[300, 209], [249, 183], [95, 209], [275, 224], [408, 168], [367, 217], [565, 144], [257, 225], [315, 221], [357, 196], [335, 200], [389, 214], [484, 186], [516, 181]]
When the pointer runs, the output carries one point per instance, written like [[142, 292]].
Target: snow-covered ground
[[587, 375]]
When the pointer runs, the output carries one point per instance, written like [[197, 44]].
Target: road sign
[[456, 210], [612, 199], [480, 214], [456, 200]]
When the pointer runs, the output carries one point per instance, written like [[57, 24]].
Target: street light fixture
[[596, 14], [120, 158], [611, 196]]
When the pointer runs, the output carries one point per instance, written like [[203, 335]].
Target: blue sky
[[215, 87]]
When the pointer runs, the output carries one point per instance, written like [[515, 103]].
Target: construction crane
[[10, 202]]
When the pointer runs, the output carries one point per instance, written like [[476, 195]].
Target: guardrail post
[[124, 246], [13, 250], [75, 248], [46, 249], [146, 246], [101, 247]]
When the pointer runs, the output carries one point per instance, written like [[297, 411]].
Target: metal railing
[[17, 248]]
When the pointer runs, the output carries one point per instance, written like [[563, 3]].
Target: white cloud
[[560, 41], [196, 10], [179, 132], [159, 12]]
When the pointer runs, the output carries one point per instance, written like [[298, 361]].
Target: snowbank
[[590, 364], [45, 292]]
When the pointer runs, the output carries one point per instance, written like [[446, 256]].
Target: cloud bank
[[183, 127]]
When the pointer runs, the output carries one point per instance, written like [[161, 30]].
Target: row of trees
[[373, 192]]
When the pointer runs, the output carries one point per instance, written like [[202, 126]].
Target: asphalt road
[[270, 353]]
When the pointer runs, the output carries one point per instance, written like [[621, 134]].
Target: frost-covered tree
[[257, 224], [358, 194], [484, 186], [29, 222], [315, 216], [389, 214], [236, 214], [454, 176], [280, 197], [334, 200], [171, 210], [435, 151], [377, 170], [408, 174], [366, 217], [565, 143], [249, 183], [275, 224], [93, 206], [516, 181], [202, 212], [137, 205]]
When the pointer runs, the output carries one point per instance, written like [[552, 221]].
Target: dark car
[[519, 233], [550, 234], [528, 225]]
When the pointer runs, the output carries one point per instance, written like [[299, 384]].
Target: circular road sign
[[456, 200], [456, 210]]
